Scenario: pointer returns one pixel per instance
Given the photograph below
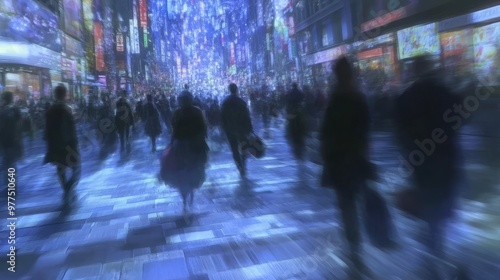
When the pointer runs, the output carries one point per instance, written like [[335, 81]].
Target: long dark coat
[[235, 117], [421, 114], [344, 140], [152, 120], [61, 137], [124, 116], [191, 149], [11, 131]]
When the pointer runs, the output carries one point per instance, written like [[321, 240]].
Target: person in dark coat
[[139, 110], [429, 141], [189, 141], [296, 122], [11, 144], [344, 140], [152, 121], [165, 111], [62, 143], [106, 126], [124, 119], [237, 125]]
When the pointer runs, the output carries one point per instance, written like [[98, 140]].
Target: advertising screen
[[27, 20], [99, 47], [29, 54], [143, 13], [73, 17], [456, 43], [88, 14], [418, 40], [486, 51], [71, 46]]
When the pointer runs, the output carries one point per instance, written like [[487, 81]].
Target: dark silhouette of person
[[62, 143], [11, 131], [189, 133], [423, 127], [152, 121], [165, 111], [124, 119], [106, 126], [296, 123], [237, 125], [344, 148], [265, 108]]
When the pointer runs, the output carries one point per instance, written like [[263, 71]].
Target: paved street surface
[[278, 225]]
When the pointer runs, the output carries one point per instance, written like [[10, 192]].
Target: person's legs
[[347, 205], [153, 143], [191, 198], [121, 133], [184, 195], [238, 158], [61, 175], [127, 137], [349, 215], [76, 171]]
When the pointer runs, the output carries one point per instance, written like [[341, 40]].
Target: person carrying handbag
[[344, 148], [237, 125]]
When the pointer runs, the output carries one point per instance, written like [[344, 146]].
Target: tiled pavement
[[278, 225]]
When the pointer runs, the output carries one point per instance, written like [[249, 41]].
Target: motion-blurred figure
[[265, 108], [344, 147], [429, 143], [11, 144], [189, 141], [62, 143], [296, 121], [165, 111], [124, 119], [152, 121], [236, 123]]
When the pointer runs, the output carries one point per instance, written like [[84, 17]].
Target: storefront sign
[[385, 19], [371, 43], [486, 14], [464, 20], [29, 54], [119, 43], [325, 56], [143, 13], [68, 65], [13, 50], [102, 80], [145, 37], [371, 53]]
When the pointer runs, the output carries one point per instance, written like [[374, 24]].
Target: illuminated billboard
[[418, 40], [143, 13], [73, 18], [99, 47], [29, 21]]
